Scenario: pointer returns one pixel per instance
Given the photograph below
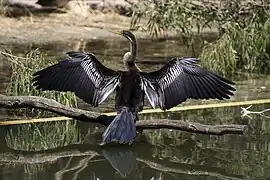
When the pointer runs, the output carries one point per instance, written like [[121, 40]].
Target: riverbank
[[64, 27], [57, 27]]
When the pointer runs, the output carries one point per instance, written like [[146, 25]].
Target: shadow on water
[[68, 150]]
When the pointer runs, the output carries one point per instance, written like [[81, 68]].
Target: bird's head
[[127, 34], [133, 45], [129, 57]]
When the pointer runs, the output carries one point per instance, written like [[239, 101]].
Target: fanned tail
[[122, 129]]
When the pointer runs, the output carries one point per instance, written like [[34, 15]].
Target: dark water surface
[[68, 150]]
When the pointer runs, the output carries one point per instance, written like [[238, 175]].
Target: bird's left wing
[[180, 79], [82, 74]]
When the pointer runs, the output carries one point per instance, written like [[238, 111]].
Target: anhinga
[[178, 80]]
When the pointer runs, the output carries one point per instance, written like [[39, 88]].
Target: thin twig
[[246, 113], [17, 62], [10, 55]]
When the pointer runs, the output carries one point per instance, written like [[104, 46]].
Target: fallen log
[[16, 102]]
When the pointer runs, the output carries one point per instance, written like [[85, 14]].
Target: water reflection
[[156, 154], [80, 161], [123, 160]]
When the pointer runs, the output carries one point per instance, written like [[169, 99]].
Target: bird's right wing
[[82, 74], [180, 79]]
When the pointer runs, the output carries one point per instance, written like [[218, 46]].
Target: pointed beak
[[117, 32]]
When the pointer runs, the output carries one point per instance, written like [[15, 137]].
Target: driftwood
[[14, 102], [122, 159]]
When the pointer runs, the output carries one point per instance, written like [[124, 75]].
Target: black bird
[[178, 80]]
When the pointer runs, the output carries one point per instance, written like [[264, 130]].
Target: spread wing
[[183, 78], [82, 74]]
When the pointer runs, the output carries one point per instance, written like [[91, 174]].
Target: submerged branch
[[124, 160], [14, 102], [162, 168]]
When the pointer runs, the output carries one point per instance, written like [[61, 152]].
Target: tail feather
[[122, 129]]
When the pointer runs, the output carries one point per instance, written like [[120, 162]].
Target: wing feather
[[212, 93], [82, 74], [183, 78]]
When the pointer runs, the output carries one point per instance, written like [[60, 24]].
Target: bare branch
[[13, 102], [16, 102], [246, 113]]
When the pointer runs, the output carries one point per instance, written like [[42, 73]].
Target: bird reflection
[[122, 160]]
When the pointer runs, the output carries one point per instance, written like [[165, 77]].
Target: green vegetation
[[244, 40], [21, 83], [220, 54], [241, 48], [43, 136]]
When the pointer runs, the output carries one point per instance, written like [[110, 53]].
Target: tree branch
[[14, 102]]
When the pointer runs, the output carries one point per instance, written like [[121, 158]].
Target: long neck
[[132, 66], [133, 49]]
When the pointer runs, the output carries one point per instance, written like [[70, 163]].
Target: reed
[[220, 56], [36, 137], [21, 83]]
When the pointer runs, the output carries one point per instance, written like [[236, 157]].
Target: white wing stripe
[[147, 87]]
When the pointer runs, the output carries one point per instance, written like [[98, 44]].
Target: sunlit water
[[68, 150]]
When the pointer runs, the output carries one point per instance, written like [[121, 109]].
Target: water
[[68, 150]]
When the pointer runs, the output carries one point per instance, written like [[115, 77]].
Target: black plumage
[[178, 80], [83, 74], [183, 78]]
